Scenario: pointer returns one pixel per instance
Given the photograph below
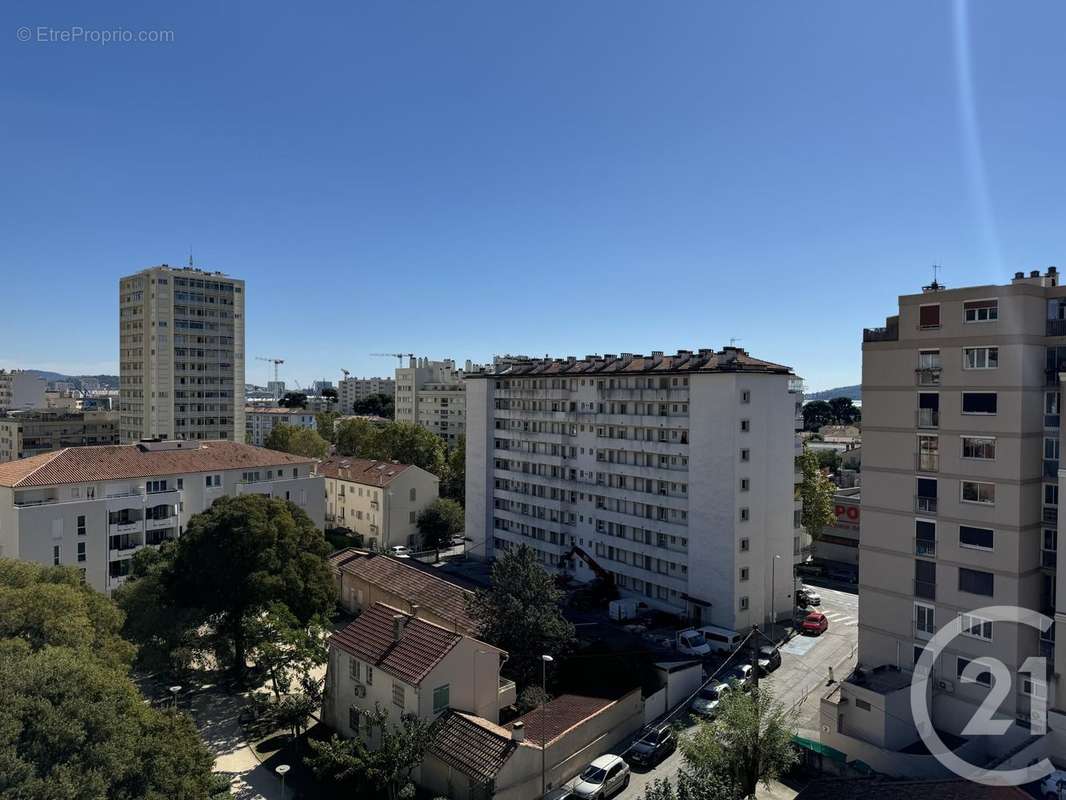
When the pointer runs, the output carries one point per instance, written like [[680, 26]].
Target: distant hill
[[106, 381], [853, 392]]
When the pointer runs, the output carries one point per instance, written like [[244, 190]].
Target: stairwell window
[[981, 311], [980, 357], [974, 581], [977, 492], [977, 538], [981, 448], [984, 677], [984, 403], [976, 627], [929, 316]]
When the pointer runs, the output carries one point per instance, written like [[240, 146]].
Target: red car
[[815, 623]]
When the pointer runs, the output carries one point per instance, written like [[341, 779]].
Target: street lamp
[[282, 770], [544, 662], [773, 598], [174, 694]]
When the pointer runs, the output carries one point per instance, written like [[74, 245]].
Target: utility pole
[[754, 641]]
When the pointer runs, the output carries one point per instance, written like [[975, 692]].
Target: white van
[[721, 640]]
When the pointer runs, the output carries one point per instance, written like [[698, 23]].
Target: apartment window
[[744, 573], [927, 495], [929, 316], [977, 492], [1034, 688], [984, 677], [980, 538], [975, 581], [156, 486], [745, 514], [181, 484], [441, 698], [928, 410], [81, 524], [980, 357], [745, 484], [369, 675], [979, 402], [354, 715], [353, 669], [744, 603], [745, 545], [745, 396], [924, 619], [411, 517], [81, 551], [1051, 449], [56, 554], [745, 425], [212, 481], [981, 311], [924, 537], [1051, 494], [982, 448], [862, 705], [977, 627], [925, 579], [928, 359], [745, 455], [398, 694], [413, 493]]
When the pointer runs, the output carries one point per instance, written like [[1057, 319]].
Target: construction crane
[[276, 362], [345, 373], [400, 356]]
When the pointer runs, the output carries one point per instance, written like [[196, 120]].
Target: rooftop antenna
[[190, 255], [733, 341], [935, 284]]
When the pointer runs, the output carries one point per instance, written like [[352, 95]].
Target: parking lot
[[804, 670]]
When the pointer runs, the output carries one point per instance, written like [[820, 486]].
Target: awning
[[821, 749], [696, 600]]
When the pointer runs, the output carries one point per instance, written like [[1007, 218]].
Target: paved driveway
[[804, 670]]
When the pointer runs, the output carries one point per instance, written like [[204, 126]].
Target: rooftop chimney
[[1034, 274], [398, 621], [415, 608], [518, 732]]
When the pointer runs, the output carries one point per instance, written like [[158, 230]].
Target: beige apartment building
[[431, 394], [352, 390], [95, 507], [20, 389], [30, 433], [960, 508], [673, 473], [181, 356], [380, 500], [259, 422]]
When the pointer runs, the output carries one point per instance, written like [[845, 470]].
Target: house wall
[[358, 594], [384, 515]]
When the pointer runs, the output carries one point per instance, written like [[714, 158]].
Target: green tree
[[692, 785], [844, 410], [293, 400], [351, 769], [326, 425], [297, 441], [377, 405], [816, 413], [288, 651], [356, 437], [453, 481], [392, 441], [828, 459], [439, 522], [816, 491], [748, 743], [520, 612], [240, 557]]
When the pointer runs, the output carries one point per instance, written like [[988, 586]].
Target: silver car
[[603, 778]]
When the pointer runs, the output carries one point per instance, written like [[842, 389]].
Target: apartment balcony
[[507, 692], [1051, 514], [1055, 327], [889, 333], [925, 590], [131, 526], [161, 522], [1051, 421], [927, 418], [1051, 468], [927, 376], [1052, 375], [124, 549], [924, 505], [925, 548], [1048, 559], [927, 462]]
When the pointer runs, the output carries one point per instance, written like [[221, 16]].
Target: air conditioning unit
[[945, 686], [360, 690]]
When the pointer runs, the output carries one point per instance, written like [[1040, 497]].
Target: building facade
[[675, 474], [30, 433], [352, 390], [379, 500], [961, 481], [20, 389], [431, 394], [181, 355], [94, 507], [259, 422]]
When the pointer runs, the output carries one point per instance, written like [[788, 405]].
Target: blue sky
[[469, 178]]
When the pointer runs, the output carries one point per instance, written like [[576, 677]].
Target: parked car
[[706, 701], [400, 551], [654, 744], [691, 643], [1053, 787], [772, 656], [815, 623], [603, 778], [740, 675], [457, 541], [806, 596]]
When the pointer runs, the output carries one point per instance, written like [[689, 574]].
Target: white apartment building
[[960, 511], [380, 500], [259, 422], [675, 473], [431, 395], [181, 355], [20, 389], [94, 507], [30, 433], [352, 390]]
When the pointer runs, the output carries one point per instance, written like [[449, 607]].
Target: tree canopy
[[453, 481], [816, 491], [293, 400], [297, 441], [392, 441], [439, 522], [837, 411], [72, 724], [520, 612], [376, 405], [326, 425]]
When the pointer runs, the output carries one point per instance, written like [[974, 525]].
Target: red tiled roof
[[473, 746], [116, 462], [729, 359], [415, 586], [361, 470], [421, 647], [883, 789], [562, 714]]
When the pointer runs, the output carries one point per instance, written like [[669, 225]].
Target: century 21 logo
[[983, 722]]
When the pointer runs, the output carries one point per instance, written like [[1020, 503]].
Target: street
[[805, 663]]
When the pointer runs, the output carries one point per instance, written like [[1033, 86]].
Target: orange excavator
[[601, 573]]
